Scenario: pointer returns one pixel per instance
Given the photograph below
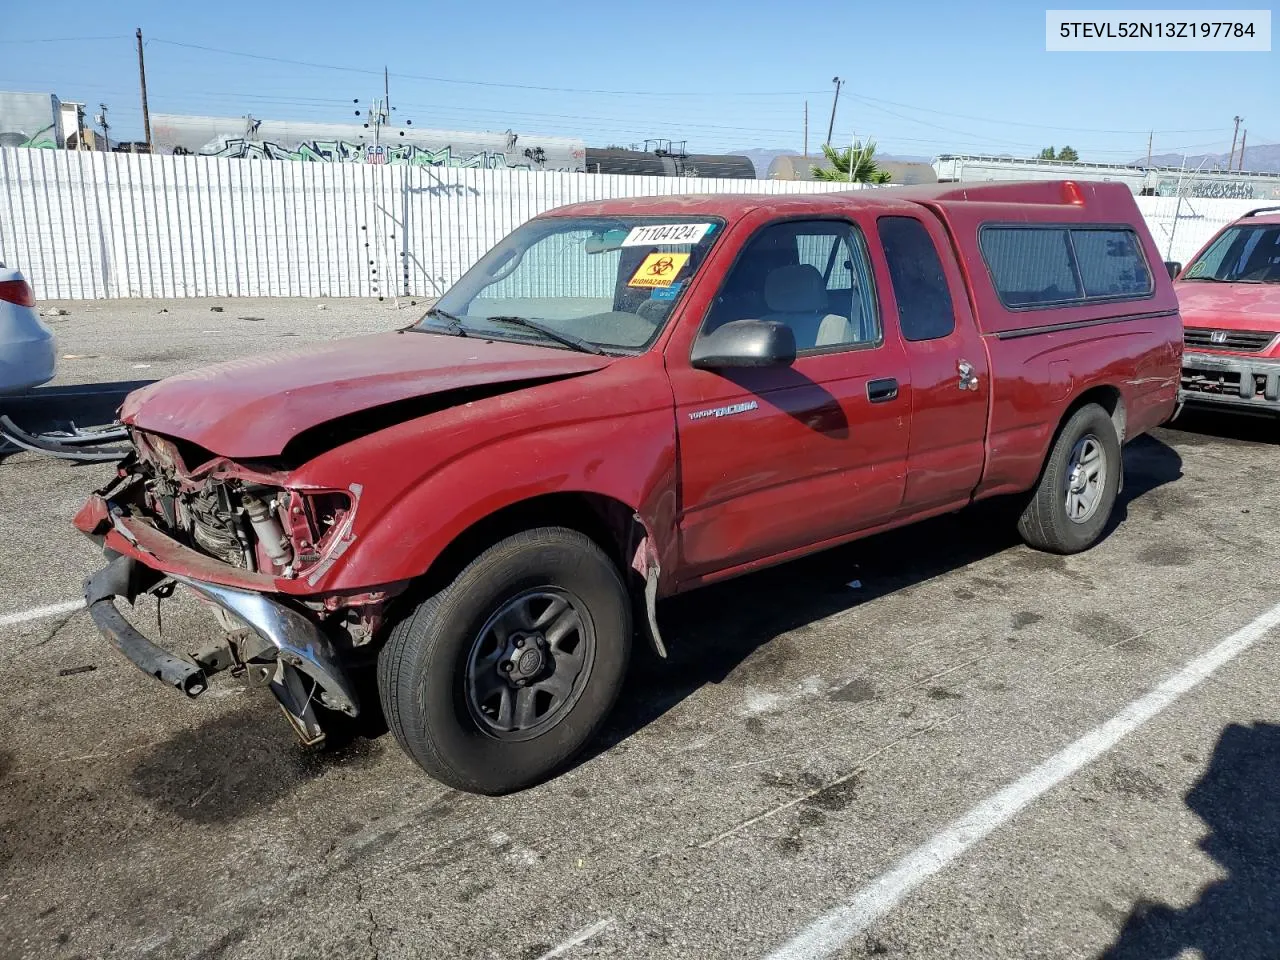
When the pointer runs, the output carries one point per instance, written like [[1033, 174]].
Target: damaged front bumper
[[125, 577], [290, 649], [1231, 381]]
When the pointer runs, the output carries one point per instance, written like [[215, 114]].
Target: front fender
[[402, 540], [427, 481]]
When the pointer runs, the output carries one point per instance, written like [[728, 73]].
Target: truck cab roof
[[1044, 196]]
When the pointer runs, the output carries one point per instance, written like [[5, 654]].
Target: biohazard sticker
[[658, 270]]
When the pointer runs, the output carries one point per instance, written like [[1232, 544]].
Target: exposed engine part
[[213, 524], [268, 531]]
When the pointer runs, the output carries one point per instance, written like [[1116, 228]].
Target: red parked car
[[1230, 299], [621, 401]]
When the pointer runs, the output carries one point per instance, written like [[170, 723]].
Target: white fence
[[1182, 228], [87, 225], [90, 225]]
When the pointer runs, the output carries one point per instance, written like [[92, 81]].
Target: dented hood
[[1230, 306], [253, 407]]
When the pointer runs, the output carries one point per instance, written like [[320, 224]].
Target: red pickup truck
[[621, 401], [1230, 298]]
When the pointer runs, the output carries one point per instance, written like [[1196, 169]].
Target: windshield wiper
[[1227, 280], [568, 339], [452, 327]]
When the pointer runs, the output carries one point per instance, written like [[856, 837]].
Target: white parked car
[[26, 344]]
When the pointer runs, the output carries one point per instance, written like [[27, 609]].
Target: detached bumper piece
[[78, 446], [1230, 381], [125, 577], [281, 648]]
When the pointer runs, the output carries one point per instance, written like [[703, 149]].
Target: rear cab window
[[925, 310], [1036, 266]]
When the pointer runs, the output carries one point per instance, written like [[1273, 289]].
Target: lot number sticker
[[666, 233], [658, 270]]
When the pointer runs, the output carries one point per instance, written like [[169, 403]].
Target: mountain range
[[1264, 158]]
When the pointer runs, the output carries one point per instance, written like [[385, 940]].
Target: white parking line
[[582, 936], [39, 613], [837, 927]]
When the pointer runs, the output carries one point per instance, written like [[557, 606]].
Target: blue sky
[[923, 78]]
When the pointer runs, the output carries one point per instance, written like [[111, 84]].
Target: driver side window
[[813, 275]]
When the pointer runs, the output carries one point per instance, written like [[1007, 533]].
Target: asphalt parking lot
[[805, 754]]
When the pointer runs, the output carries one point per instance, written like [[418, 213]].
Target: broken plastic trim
[[67, 445]]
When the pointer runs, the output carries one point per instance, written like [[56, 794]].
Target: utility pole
[[806, 129], [1234, 133], [386, 90], [832, 125], [101, 120], [1177, 210], [142, 79], [1150, 136], [1243, 137]]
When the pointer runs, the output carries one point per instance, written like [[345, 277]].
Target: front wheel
[[1072, 504], [494, 683]]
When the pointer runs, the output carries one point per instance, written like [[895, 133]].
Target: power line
[[1019, 123], [121, 36], [477, 83], [1016, 143]]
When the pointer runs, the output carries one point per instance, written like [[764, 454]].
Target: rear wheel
[[495, 682], [1072, 504]]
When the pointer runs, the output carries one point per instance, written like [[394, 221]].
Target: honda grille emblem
[[1218, 336]]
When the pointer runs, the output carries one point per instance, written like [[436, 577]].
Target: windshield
[[1241, 254], [609, 281]]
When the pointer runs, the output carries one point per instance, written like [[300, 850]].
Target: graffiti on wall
[[250, 138], [29, 120], [1218, 189], [346, 151], [41, 139]]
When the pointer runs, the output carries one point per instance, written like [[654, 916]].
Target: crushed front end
[[255, 549]]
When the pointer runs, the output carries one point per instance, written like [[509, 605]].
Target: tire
[[1045, 523], [440, 673]]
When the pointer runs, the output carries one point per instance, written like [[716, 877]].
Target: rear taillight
[[17, 291]]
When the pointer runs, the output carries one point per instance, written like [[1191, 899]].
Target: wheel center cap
[[528, 663]]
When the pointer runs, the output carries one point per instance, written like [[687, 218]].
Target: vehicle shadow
[[711, 632], [193, 775], [1237, 917], [61, 407], [1196, 426]]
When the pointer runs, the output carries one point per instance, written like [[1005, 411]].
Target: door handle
[[968, 378], [882, 391]]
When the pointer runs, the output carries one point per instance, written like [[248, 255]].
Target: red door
[[777, 459], [950, 385]]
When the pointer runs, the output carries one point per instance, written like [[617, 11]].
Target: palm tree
[[860, 158]]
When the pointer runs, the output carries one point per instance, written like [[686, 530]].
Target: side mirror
[[1174, 268], [746, 343]]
